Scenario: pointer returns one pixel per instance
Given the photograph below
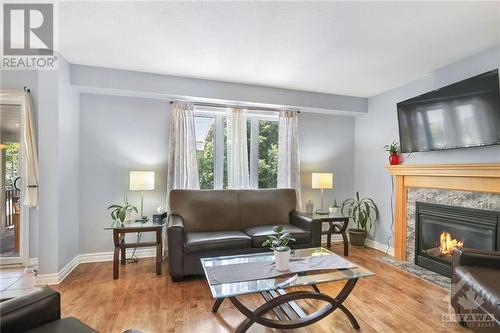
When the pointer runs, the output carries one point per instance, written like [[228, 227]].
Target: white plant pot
[[333, 210], [282, 260], [129, 215]]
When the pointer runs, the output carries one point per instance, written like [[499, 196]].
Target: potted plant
[[279, 244], [334, 208], [393, 149], [123, 212], [365, 213]]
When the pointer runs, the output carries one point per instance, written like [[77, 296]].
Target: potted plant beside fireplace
[[365, 213]]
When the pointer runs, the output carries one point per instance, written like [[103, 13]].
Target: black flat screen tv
[[463, 114]]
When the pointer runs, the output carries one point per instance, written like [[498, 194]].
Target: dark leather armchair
[[228, 222], [39, 312], [477, 271]]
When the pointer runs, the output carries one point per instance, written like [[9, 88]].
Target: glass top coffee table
[[288, 313]]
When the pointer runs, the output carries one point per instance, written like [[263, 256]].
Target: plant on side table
[[279, 244], [122, 212], [365, 213]]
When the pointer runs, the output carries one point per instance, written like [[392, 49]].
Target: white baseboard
[[56, 278], [378, 246], [369, 243]]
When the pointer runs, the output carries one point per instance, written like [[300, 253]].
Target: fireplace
[[440, 228]]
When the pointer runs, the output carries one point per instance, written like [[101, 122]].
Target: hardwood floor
[[391, 301]]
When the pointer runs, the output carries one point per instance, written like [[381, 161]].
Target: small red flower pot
[[394, 159]]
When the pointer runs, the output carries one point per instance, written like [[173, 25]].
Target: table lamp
[[322, 181], [142, 181]]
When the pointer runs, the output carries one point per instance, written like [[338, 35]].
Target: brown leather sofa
[[477, 271], [206, 223]]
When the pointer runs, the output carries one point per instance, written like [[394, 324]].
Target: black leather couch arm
[[175, 238], [26, 312], [473, 257], [309, 224]]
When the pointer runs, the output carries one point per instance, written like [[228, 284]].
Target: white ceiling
[[352, 48]]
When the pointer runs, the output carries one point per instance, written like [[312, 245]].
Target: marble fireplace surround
[[465, 185], [465, 199]]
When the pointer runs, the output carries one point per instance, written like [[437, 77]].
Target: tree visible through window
[[205, 135], [11, 164], [268, 154], [266, 159]]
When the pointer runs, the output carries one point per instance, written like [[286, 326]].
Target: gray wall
[[117, 135], [68, 182], [114, 81], [326, 145], [53, 229], [379, 127]]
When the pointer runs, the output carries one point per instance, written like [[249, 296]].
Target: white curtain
[[237, 149], [183, 163], [30, 153], [288, 153]]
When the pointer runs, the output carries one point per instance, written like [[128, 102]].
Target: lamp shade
[[322, 180], [142, 180]]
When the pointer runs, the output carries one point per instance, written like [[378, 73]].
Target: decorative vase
[[282, 260], [309, 207], [394, 158], [357, 237], [128, 215]]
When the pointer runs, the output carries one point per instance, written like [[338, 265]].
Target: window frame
[[254, 117]]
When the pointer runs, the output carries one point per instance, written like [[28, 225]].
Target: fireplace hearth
[[441, 228]]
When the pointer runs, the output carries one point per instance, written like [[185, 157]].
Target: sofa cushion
[[484, 282], [259, 234], [215, 240], [206, 210], [65, 325], [266, 206]]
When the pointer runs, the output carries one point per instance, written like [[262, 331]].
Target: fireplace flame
[[447, 243]]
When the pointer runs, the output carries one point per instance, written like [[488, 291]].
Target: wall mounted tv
[[463, 114]]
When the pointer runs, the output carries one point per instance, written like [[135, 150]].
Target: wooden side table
[[337, 223], [119, 232]]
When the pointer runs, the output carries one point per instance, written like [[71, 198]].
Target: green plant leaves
[[120, 212], [280, 240], [362, 211]]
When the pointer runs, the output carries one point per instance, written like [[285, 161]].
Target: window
[[204, 131], [211, 139]]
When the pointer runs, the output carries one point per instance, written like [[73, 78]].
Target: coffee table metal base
[[289, 314]]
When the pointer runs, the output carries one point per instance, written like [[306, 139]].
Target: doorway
[[12, 226]]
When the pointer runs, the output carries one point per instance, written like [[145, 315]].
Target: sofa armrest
[[175, 238], [29, 311], [473, 257], [309, 224]]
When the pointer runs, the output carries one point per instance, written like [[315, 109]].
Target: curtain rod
[[255, 108]]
